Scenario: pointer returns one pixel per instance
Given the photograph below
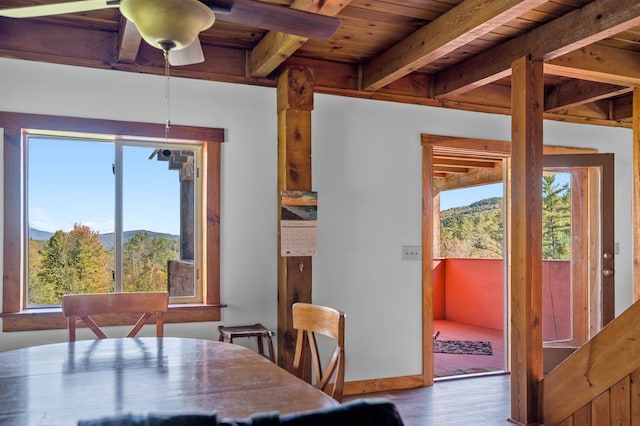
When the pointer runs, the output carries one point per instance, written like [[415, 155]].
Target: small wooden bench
[[258, 331]]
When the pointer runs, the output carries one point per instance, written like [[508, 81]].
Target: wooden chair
[[82, 306], [310, 319]]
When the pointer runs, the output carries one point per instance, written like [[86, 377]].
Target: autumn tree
[[70, 262], [37, 291], [145, 262]]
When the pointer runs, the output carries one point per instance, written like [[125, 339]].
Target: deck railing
[[471, 291]]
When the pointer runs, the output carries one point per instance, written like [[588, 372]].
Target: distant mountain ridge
[[473, 231], [477, 207], [107, 239]]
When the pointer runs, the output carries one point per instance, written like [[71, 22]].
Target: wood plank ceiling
[[445, 53]]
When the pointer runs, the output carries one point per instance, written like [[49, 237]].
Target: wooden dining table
[[59, 384]]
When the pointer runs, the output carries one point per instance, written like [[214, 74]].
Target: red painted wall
[[474, 292], [439, 289], [471, 291]]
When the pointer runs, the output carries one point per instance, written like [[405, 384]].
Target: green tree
[[474, 231], [487, 242], [556, 219], [70, 262], [145, 262], [36, 287]]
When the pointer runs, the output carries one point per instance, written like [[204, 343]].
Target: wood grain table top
[[58, 384]]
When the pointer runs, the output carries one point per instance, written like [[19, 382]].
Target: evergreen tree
[[556, 219]]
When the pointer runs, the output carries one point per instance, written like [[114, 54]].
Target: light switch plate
[[411, 253]]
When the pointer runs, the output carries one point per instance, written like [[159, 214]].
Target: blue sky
[[72, 182], [466, 196]]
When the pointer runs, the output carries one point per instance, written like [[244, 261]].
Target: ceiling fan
[[173, 25]]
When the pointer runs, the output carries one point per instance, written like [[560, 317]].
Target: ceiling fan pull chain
[[166, 152]]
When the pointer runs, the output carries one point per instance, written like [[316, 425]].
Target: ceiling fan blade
[[191, 54], [58, 8], [275, 17]]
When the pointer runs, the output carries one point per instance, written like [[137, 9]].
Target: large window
[[111, 216], [101, 206]]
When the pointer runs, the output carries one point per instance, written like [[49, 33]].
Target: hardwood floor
[[482, 401], [457, 398]]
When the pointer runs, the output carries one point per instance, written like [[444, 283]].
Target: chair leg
[[272, 356], [260, 346]]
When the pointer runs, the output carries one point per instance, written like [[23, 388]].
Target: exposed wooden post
[[295, 103], [428, 219], [636, 194], [527, 102]]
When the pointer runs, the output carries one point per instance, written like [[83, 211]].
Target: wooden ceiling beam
[[603, 64], [576, 92], [128, 43], [275, 47], [577, 29], [41, 41], [601, 108], [474, 178], [452, 170], [463, 163], [456, 28], [469, 152], [464, 146], [94, 48], [622, 108], [461, 157]]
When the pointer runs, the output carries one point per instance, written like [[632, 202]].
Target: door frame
[[500, 151]]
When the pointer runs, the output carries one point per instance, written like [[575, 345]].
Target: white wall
[[366, 169]]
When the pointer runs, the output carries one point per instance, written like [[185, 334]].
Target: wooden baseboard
[[383, 385], [517, 423]]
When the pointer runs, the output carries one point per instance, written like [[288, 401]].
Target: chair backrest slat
[[83, 306], [310, 319]]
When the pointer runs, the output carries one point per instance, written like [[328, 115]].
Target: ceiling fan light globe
[[163, 23]]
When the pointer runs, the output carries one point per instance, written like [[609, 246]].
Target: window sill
[[52, 318]]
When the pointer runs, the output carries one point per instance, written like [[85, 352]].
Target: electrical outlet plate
[[411, 253]]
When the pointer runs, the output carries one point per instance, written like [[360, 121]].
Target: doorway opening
[[582, 247], [469, 290]]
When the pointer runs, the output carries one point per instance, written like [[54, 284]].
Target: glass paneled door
[[578, 250]]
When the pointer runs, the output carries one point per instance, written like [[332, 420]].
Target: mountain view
[[473, 231], [476, 230], [107, 239], [82, 261]]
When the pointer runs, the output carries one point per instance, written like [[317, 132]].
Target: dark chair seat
[[361, 412]]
